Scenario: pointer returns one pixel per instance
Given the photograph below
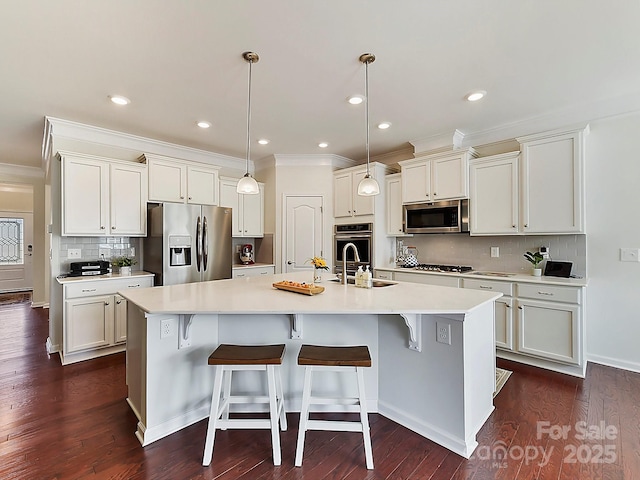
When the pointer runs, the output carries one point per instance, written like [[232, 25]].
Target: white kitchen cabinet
[[102, 197], [394, 204], [504, 317], [247, 211], [538, 324], [95, 316], [241, 272], [179, 181], [494, 195], [346, 201], [441, 176], [382, 274], [552, 182], [443, 280]]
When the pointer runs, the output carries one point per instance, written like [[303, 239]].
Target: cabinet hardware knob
[[519, 308], [181, 197], [434, 194], [106, 304], [113, 228], [190, 198], [354, 212], [133, 286], [485, 287], [119, 302], [526, 225], [513, 226], [101, 227], [507, 305]]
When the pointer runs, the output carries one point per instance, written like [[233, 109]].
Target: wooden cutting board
[[312, 290]]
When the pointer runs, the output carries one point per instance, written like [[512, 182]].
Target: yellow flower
[[319, 262]]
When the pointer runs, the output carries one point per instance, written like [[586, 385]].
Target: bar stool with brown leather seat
[[229, 358], [343, 359]]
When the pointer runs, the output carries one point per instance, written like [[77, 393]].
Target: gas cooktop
[[441, 268]]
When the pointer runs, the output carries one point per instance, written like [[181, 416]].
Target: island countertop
[[252, 295]]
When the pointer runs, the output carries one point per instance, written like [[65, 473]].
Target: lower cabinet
[[241, 272], [541, 326], [443, 280], [95, 317]]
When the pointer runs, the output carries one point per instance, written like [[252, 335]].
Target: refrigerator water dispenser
[[179, 250]]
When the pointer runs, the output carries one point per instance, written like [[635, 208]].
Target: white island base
[[443, 392]]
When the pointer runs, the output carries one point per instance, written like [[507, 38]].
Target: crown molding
[[21, 171], [439, 142], [130, 146], [315, 160]]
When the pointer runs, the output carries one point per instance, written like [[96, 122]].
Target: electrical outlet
[[544, 251], [105, 253], [495, 252], [74, 253], [132, 251], [443, 333], [238, 248], [166, 328]]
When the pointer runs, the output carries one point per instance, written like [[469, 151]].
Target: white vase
[[317, 275], [537, 272], [125, 270]]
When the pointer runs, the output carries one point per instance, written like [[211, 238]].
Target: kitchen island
[[432, 349]]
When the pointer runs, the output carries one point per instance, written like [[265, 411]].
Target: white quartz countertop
[[499, 276], [108, 276], [254, 295]]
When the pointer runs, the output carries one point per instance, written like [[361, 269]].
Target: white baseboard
[[614, 362], [456, 444], [149, 435]]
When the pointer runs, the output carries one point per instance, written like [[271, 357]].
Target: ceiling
[[543, 61]]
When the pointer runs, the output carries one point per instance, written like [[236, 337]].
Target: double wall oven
[[361, 235]]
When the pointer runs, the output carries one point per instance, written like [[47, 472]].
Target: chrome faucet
[[344, 260]]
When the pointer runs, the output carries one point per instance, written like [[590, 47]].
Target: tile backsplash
[[91, 247], [461, 249]]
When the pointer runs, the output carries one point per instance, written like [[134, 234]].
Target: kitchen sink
[[376, 282]]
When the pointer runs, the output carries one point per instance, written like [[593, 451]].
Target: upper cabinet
[[441, 176], [394, 204], [103, 197], [494, 188], [247, 211], [179, 181], [552, 182], [346, 201], [539, 190]]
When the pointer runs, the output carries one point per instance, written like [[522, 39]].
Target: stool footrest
[[244, 423], [337, 426], [333, 401]]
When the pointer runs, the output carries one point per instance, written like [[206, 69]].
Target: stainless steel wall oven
[[361, 235]]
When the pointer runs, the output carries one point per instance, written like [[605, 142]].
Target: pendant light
[[368, 186], [247, 185]]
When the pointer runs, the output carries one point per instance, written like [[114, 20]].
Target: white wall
[[613, 221]]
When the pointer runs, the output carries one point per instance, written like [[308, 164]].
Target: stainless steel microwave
[[438, 217]]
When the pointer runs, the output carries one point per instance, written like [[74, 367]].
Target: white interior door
[[16, 251], [303, 232]]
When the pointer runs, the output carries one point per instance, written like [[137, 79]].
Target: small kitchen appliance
[[246, 254], [81, 269]]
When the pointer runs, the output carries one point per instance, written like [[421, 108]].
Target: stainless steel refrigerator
[[187, 243]]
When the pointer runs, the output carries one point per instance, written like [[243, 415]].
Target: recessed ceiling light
[[475, 96], [203, 124], [384, 125], [323, 144], [119, 100], [263, 141], [355, 99]]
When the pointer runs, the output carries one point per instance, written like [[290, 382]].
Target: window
[[11, 241]]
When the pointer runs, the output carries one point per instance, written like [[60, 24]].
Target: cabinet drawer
[[550, 293], [427, 279], [384, 275], [105, 287], [251, 272], [506, 288]]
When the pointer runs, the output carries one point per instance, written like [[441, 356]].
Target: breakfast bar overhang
[[432, 349]]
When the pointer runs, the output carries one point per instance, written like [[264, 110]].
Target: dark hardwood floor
[[73, 423]]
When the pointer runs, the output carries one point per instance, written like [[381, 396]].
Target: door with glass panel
[[16, 251]]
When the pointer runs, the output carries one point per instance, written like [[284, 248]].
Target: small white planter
[[125, 270], [536, 272]]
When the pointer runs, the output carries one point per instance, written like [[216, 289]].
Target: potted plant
[[124, 264], [535, 259]]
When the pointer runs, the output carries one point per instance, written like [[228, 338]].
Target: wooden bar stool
[[229, 358], [337, 359]]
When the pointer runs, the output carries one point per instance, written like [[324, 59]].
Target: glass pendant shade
[[247, 185], [368, 186]]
